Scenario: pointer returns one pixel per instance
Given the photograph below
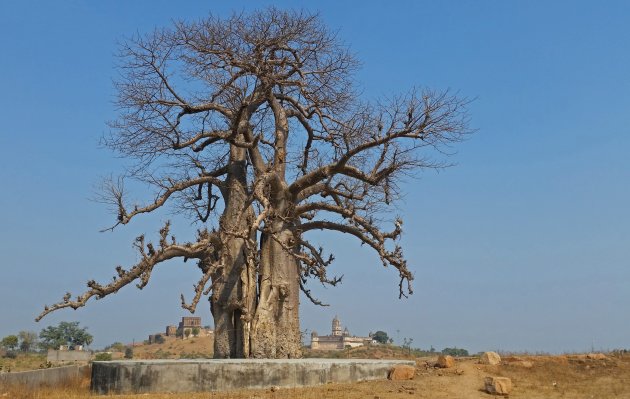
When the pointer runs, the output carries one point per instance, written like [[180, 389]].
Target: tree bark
[[276, 328], [230, 301]]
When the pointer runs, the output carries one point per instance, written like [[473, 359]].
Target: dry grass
[[533, 378], [573, 376], [23, 362]]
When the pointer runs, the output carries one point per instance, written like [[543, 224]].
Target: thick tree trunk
[[231, 302], [276, 327]]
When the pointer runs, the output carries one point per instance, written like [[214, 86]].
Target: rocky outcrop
[[498, 385], [445, 362], [491, 358], [401, 373]]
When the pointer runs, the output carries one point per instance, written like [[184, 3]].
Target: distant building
[[187, 323], [171, 331], [68, 356], [190, 322], [156, 338], [338, 339]]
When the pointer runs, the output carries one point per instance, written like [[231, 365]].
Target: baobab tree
[[253, 127]]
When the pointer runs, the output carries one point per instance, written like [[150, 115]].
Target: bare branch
[[141, 271]]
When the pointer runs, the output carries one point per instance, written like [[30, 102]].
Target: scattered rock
[[401, 373], [459, 371], [491, 358], [524, 363], [596, 356], [275, 388], [445, 362], [498, 385]]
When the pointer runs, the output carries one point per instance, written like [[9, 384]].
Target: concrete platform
[[201, 375]]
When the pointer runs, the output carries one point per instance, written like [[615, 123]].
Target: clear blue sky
[[523, 245]]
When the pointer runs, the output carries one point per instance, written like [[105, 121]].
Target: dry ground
[[534, 377], [176, 348]]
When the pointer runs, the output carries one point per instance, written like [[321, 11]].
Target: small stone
[[491, 358], [275, 388], [459, 371], [498, 385], [445, 362], [401, 373]]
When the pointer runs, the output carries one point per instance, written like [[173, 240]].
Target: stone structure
[[190, 322], [338, 340], [156, 338], [171, 331], [52, 377], [199, 375], [68, 356], [187, 323]]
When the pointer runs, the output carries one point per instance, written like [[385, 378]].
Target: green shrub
[[103, 357]]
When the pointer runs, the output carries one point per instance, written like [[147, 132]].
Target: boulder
[[498, 385], [401, 373], [491, 358], [445, 362], [596, 356]]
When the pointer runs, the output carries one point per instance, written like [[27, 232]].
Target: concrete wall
[[122, 377], [68, 356], [50, 377]]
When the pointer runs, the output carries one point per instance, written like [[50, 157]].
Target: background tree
[[195, 331], [66, 333], [187, 332], [10, 342], [380, 336], [129, 352], [253, 128], [407, 344], [28, 340], [455, 351]]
